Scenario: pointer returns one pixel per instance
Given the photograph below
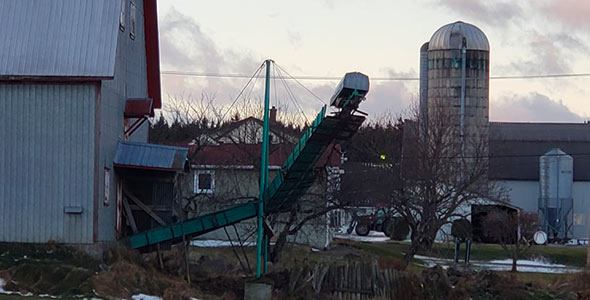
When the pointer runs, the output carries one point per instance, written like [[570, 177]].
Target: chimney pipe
[[273, 115]]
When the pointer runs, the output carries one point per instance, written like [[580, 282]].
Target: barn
[[77, 78]]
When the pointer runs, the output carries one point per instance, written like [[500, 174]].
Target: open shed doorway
[[482, 234], [148, 192]]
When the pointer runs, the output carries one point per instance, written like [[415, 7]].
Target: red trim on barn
[[138, 108], [152, 52]]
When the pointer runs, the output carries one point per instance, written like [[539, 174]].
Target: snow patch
[[5, 292], [145, 297], [374, 236], [532, 266], [577, 242]]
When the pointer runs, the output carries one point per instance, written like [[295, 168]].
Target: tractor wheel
[[362, 229]]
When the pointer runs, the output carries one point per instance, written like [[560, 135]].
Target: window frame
[[196, 188]]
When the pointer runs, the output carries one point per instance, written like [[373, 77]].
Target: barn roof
[[150, 156], [76, 38], [515, 148]]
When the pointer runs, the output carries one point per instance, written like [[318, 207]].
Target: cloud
[[496, 13], [551, 53], [573, 13], [385, 98], [545, 57], [184, 46], [294, 38], [533, 107], [389, 97]]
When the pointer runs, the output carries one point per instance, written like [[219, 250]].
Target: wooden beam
[[129, 215], [152, 207], [144, 207], [162, 179]]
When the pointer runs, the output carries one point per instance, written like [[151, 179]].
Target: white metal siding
[[58, 37], [46, 162]]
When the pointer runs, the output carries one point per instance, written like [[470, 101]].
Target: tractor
[[383, 221], [378, 221]]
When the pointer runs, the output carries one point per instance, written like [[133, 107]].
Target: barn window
[[204, 182], [122, 16], [132, 19]]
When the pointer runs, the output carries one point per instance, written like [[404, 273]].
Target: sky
[[381, 38]]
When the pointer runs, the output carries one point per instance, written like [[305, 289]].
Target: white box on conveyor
[[344, 91]]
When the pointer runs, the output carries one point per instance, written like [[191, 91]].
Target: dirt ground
[[216, 273]]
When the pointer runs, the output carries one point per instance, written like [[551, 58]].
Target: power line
[[329, 78], [302, 85]]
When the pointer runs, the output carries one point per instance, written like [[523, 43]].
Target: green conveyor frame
[[294, 179]]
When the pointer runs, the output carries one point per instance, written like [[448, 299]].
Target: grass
[[558, 254]]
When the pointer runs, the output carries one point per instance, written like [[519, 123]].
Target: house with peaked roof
[[249, 131], [226, 164], [76, 78]]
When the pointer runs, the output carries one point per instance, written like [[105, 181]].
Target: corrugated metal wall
[[130, 82], [46, 162]]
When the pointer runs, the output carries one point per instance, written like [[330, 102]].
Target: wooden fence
[[353, 281]]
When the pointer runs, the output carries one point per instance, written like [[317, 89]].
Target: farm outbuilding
[[67, 69]]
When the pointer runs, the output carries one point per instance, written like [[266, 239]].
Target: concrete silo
[[454, 78], [556, 178]]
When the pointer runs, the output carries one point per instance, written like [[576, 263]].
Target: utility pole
[[263, 177]]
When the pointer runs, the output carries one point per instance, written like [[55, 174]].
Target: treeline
[[376, 142], [163, 132]]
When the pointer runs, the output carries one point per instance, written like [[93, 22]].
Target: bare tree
[[318, 202], [236, 185], [513, 230], [441, 175]]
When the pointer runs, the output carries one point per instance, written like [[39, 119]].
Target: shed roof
[[150, 156], [74, 38], [515, 148]]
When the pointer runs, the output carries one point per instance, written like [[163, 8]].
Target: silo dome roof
[[451, 36]]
